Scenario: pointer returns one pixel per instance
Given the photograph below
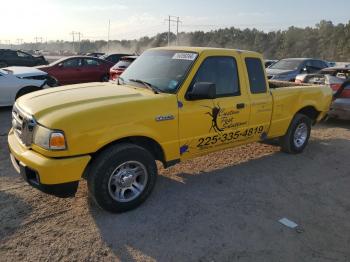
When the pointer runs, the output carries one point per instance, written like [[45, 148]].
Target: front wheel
[[122, 177], [297, 136], [26, 90]]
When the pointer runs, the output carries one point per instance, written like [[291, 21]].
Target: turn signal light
[[57, 141]]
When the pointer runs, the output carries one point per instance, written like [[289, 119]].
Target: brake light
[[335, 87]]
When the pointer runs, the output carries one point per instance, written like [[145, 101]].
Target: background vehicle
[[95, 54], [113, 134], [120, 67], [334, 77], [10, 57], [18, 81], [114, 58], [79, 69], [288, 69], [337, 78], [269, 62], [340, 107], [331, 64]]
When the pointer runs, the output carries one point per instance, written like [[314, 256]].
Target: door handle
[[240, 106]]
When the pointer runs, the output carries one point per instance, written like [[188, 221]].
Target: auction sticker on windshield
[[185, 56]]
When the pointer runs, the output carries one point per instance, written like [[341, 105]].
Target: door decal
[[222, 120]]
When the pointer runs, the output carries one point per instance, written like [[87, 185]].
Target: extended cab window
[[222, 71], [256, 75]]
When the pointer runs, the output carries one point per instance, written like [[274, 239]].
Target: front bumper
[[56, 176], [340, 109]]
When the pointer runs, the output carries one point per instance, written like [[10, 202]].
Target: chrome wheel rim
[[300, 135], [127, 181]]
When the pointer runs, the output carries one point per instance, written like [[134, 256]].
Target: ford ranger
[[170, 105]]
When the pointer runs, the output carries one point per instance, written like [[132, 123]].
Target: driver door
[[68, 72], [209, 125]]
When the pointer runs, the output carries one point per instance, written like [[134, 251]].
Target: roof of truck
[[202, 49]]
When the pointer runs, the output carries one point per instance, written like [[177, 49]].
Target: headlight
[[49, 139]]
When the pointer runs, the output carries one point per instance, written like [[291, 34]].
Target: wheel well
[[309, 111], [148, 143], [27, 88]]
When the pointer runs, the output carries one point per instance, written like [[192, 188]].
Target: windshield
[[123, 64], [163, 69], [287, 64]]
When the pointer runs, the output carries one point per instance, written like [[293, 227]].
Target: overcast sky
[[55, 19]]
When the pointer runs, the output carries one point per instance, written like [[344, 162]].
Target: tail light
[[335, 87]]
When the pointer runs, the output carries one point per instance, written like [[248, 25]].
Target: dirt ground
[[224, 207]]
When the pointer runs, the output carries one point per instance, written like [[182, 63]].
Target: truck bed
[[289, 97], [279, 84]]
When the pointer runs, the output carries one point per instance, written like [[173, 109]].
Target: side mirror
[[60, 65], [202, 90]]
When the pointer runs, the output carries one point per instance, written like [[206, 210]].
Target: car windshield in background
[[163, 69], [287, 64], [123, 64]]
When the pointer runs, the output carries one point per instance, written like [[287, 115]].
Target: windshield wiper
[[146, 84]]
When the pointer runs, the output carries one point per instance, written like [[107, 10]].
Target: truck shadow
[[330, 123], [13, 212], [231, 214]]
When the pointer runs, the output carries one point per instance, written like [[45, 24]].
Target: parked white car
[[18, 81]]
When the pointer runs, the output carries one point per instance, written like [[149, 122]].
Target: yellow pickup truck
[[170, 105]]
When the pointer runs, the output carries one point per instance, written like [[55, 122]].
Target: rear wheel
[[105, 78], [3, 64], [297, 136], [122, 177], [26, 90]]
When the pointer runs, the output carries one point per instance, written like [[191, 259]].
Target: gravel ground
[[223, 207]]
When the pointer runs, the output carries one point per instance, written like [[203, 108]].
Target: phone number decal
[[229, 137]]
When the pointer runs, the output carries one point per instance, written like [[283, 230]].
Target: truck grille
[[23, 126]]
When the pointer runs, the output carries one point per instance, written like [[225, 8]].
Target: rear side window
[[321, 64], [91, 62], [71, 63], [256, 75], [21, 54]]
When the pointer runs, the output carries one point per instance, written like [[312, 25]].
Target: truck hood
[[62, 100]]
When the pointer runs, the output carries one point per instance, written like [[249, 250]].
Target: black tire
[[26, 90], [105, 78], [288, 142], [3, 64], [103, 168]]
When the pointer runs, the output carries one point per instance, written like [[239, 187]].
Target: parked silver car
[[287, 69]]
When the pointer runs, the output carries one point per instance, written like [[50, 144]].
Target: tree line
[[325, 40]]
